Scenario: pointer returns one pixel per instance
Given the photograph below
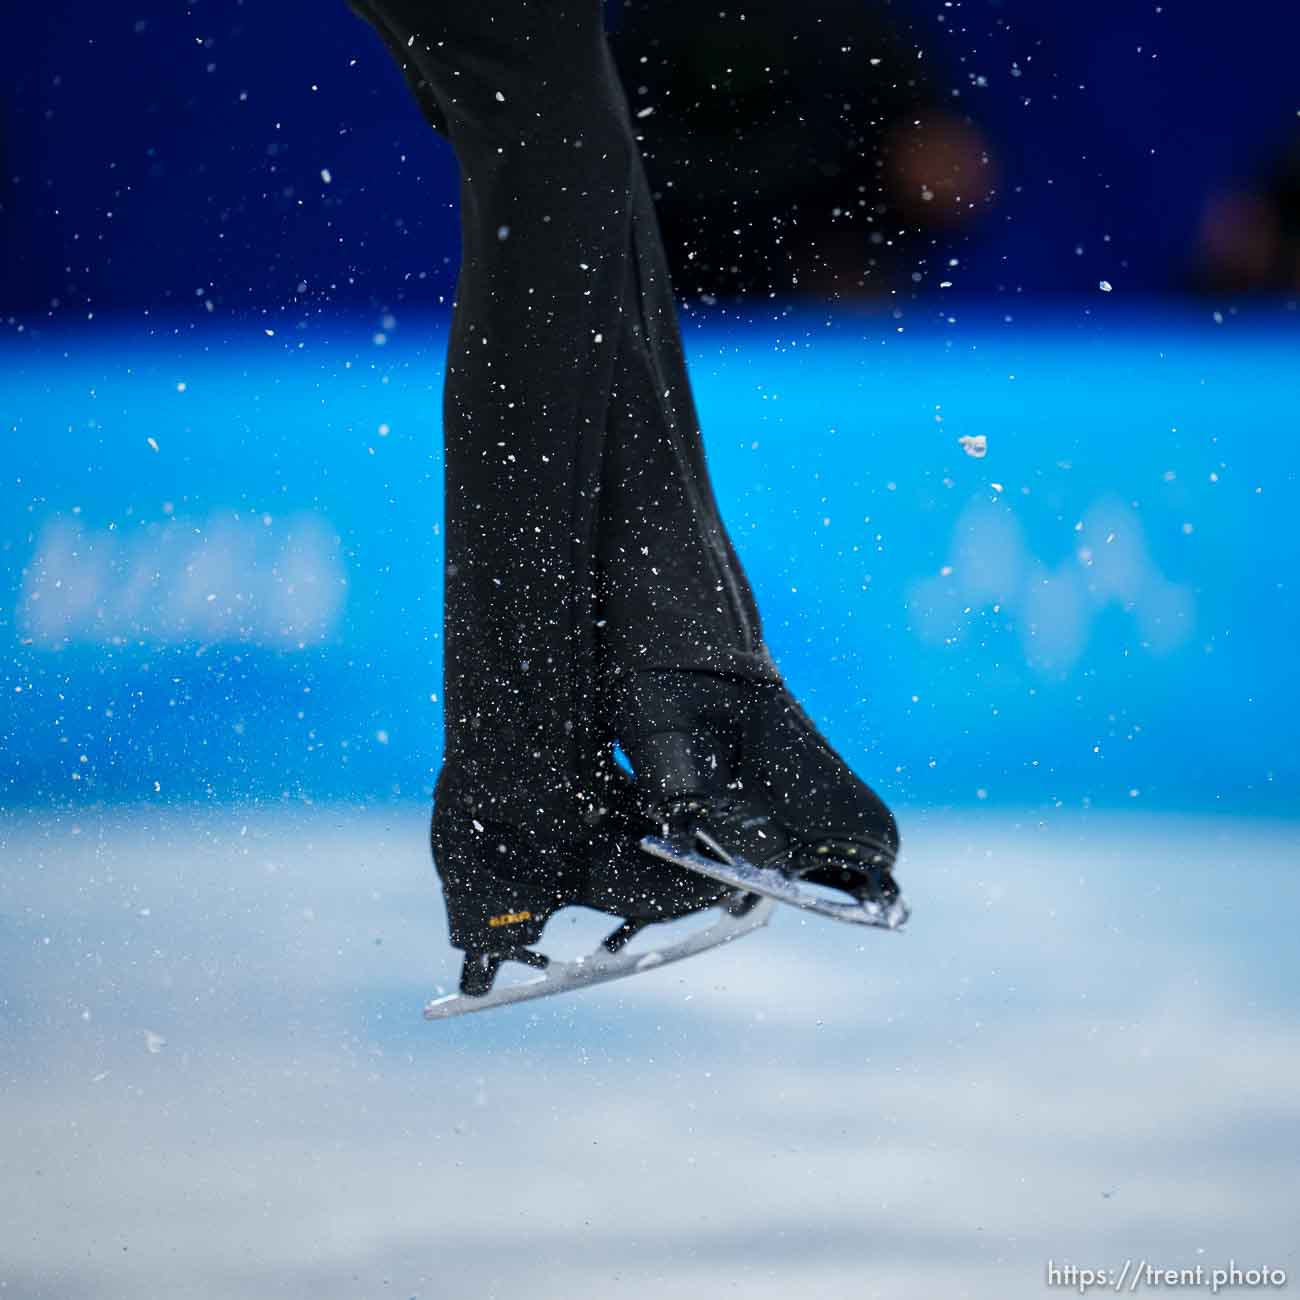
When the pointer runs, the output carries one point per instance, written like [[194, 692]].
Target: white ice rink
[[217, 1084]]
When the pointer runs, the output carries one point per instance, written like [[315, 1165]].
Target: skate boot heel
[[499, 890]]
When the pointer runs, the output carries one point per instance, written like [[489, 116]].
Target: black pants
[[583, 541]]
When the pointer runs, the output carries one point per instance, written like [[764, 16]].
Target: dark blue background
[[161, 150]]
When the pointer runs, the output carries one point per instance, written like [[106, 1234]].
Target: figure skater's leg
[[681, 634], [693, 690], [530, 813], [530, 102]]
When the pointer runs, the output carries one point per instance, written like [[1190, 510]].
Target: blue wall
[[249, 604]]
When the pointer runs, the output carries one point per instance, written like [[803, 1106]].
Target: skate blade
[[773, 884], [600, 967]]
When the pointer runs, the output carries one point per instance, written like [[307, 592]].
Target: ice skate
[[502, 887], [756, 798]]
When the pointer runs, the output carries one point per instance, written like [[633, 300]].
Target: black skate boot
[[756, 787], [502, 886]]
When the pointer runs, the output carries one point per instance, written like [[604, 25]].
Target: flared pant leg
[[571, 441]]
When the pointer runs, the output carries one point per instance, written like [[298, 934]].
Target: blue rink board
[[220, 550]]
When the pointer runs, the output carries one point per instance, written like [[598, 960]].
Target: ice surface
[[1083, 1047]]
